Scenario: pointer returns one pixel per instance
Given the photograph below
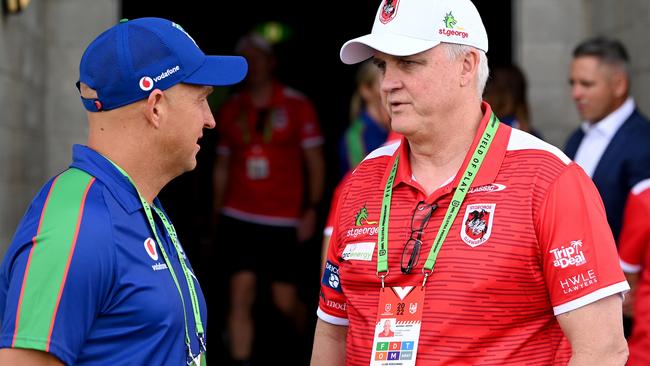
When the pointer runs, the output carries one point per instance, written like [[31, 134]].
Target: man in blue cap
[[95, 273]]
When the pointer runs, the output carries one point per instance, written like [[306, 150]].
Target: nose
[[209, 118], [389, 80], [576, 91]]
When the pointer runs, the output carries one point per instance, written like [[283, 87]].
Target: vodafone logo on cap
[[146, 83], [150, 247]]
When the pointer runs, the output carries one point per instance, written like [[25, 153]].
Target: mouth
[[396, 105]]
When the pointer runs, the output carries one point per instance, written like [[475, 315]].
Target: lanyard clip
[[201, 338], [426, 275], [190, 356], [382, 276]]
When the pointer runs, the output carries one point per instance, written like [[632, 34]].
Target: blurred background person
[[268, 180], [611, 144], [635, 261], [369, 129], [370, 123], [507, 92]]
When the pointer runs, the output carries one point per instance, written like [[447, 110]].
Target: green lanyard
[[268, 126], [454, 207], [188, 276]]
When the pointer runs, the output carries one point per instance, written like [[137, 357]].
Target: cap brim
[[362, 48], [219, 71]]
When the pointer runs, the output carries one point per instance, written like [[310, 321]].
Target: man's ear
[[469, 67], [154, 108], [620, 84]]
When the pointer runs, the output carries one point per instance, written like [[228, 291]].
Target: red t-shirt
[[544, 249], [266, 181], [635, 258]]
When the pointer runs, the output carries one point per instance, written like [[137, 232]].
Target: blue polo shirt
[[84, 281]]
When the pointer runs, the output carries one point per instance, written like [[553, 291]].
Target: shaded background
[[309, 62], [41, 116]]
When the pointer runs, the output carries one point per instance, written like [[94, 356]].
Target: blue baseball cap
[[130, 59]]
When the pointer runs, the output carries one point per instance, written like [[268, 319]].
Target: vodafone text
[[167, 73]]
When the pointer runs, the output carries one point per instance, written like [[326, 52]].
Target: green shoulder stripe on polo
[[49, 261]]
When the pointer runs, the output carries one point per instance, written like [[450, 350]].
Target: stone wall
[[40, 112]]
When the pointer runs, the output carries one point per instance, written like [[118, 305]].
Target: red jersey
[[266, 181], [635, 258], [543, 248]]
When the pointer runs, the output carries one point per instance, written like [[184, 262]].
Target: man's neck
[[148, 177], [439, 154]]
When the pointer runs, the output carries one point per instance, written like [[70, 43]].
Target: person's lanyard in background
[[263, 126]]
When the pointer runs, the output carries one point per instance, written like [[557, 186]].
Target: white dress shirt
[[599, 134]]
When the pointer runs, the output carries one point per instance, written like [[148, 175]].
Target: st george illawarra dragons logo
[[477, 223]]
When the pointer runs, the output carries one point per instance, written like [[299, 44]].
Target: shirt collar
[[486, 174], [95, 164], [610, 124]]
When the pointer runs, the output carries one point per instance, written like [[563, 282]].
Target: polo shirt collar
[[486, 174], [95, 164]]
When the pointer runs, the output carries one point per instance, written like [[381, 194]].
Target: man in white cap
[[480, 243]]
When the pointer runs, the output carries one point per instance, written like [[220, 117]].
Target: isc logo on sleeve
[[331, 277]]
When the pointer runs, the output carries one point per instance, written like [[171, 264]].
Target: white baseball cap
[[407, 27]]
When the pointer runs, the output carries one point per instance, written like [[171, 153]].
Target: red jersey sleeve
[[331, 216], [310, 134], [635, 234], [332, 307], [578, 253]]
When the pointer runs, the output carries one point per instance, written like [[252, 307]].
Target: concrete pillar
[[41, 115]]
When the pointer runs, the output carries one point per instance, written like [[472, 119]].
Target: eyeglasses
[[411, 252]]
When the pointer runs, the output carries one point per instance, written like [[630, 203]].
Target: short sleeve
[[310, 133], [332, 307], [635, 234], [578, 253], [57, 274], [331, 216]]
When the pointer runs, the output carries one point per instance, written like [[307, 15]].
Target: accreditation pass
[[397, 329]]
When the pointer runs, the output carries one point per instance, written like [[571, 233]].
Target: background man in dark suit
[[613, 143]]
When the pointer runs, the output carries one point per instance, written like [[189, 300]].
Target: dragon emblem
[[450, 21]]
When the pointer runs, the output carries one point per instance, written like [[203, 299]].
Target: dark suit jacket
[[624, 163]]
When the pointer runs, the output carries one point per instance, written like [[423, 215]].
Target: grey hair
[[455, 51]]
